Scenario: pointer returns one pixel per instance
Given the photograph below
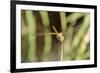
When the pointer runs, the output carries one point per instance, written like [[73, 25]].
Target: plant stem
[[31, 23]]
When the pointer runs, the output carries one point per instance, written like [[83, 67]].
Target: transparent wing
[[43, 34]]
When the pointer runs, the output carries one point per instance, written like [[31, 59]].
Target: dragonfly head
[[60, 37]]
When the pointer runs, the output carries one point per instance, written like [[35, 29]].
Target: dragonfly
[[59, 36]]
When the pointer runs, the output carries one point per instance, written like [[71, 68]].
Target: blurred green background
[[41, 48]]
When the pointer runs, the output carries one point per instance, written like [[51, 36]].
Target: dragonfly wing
[[43, 34]]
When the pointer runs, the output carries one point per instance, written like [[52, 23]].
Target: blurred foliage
[[75, 28]]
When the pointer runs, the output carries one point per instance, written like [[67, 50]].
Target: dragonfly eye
[[60, 37]]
